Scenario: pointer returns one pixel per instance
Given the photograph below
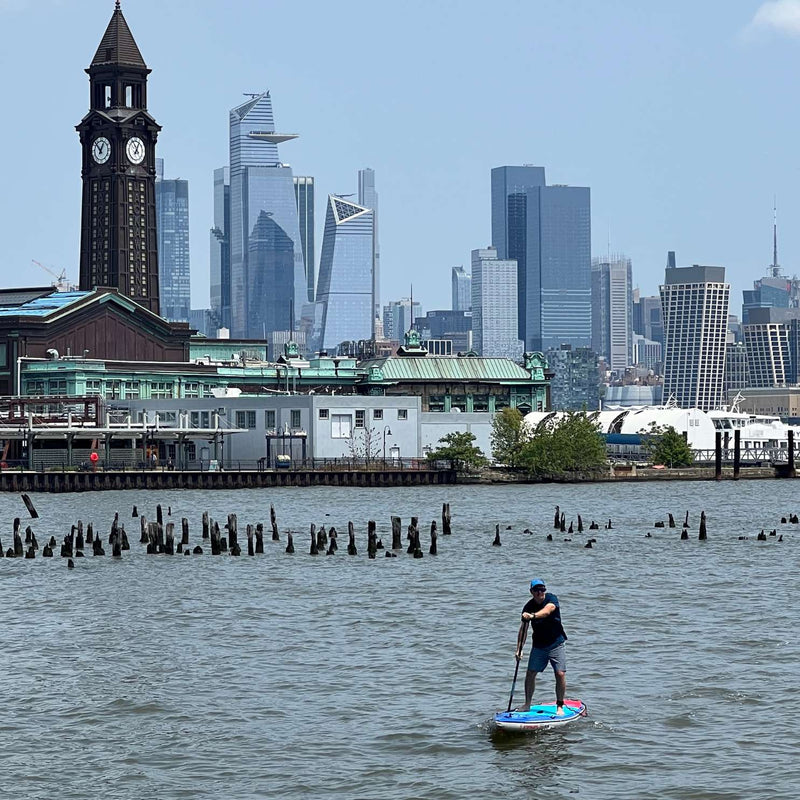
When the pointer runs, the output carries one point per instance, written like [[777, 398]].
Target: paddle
[[516, 670]]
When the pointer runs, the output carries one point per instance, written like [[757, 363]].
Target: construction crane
[[61, 283]]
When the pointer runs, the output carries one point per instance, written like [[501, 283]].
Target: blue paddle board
[[540, 716]]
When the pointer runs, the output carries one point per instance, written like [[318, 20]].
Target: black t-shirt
[[547, 632]]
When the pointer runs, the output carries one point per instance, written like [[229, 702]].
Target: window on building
[[113, 390], [58, 387], [480, 402], [131, 389], [436, 402], [341, 426], [296, 419], [3, 354], [245, 419], [458, 402], [377, 413], [402, 413], [361, 418], [323, 413], [161, 389], [269, 419], [167, 418], [94, 386], [191, 389], [35, 388]]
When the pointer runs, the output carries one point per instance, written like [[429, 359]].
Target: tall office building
[[304, 194], [647, 319], [268, 278], [737, 370], [368, 198], [694, 301], [612, 311], [494, 302], [462, 289], [772, 344], [547, 230], [575, 385], [220, 241], [345, 289], [172, 224], [399, 317]]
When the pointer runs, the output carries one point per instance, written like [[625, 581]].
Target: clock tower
[[119, 246]]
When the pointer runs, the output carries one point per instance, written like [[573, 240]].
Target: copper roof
[[117, 45]]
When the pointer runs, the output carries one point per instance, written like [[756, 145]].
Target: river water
[[340, 677]]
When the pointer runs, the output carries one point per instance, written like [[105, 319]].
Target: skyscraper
[[304, 193], [399, 316], [694, 301], [494, 301], [268, 280], [647, 319], [345, 288], [220, 311], [368, 198], [612, 311], [547, 230], [119, 244], [172, 217], [772, 343], [462, 289]]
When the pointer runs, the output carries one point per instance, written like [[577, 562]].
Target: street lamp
[[386, 429]]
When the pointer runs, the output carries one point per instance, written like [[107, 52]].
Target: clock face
[[134, 149], [101, 150]]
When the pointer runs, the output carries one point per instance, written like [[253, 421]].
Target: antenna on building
[[774, 269], [412, 307]]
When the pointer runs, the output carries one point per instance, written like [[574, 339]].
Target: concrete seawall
[[155, 479]]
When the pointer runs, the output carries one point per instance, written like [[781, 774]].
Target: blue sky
[[681, 116]]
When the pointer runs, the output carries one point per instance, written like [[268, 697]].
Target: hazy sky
[[681, 115]]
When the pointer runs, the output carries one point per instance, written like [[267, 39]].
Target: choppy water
[[298, 677]]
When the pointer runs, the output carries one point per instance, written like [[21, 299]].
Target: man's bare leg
[[561, 690], [530, 685]]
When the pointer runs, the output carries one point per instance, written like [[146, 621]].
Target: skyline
[[683, 153]]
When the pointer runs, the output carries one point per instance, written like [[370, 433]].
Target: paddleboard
[[540, 716]]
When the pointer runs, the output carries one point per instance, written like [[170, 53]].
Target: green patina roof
[[447, 368]]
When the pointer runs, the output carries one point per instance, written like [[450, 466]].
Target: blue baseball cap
[[537, 582]]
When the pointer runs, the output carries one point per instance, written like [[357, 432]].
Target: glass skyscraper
[[547, 230], [368, 198], [304, 194], [268, 280], [172, 225], [345, 288], [461, 286], [220, 311]]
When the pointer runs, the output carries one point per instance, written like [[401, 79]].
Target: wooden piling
[[169, 540], [397, 543], [446, 530], [314, 550], [497, 542], [89, 533], [289, 543], [259, 538], [702, 536], [433, 549], [557, 519], [206, 525], [737, 453], [29, 505], [718, 456], [184, 531], [273, 521]]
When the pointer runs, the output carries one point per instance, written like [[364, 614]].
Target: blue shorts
[[557, 656]]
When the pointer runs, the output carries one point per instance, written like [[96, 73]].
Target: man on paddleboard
[[547, 642]]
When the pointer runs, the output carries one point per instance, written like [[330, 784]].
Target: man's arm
[[540, 614], [523, 632]]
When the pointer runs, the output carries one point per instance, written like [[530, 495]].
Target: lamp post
[[386, 429]]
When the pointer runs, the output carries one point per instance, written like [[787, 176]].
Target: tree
[[569, 445], [509, 435], [460, 448], [364, 443], [666, 446]]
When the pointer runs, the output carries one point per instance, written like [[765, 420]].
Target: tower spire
[[775, 269]]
